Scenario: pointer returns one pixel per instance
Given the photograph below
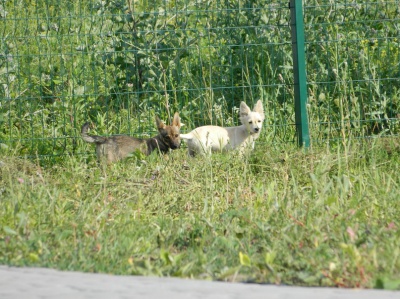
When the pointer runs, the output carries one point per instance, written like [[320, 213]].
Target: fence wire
[[119, 63], [353, 59]]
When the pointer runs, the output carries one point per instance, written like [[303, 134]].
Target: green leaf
[[331, 200], [33, 257], [244, 259], [227, 272], [270, 257], [379, 284], [387, 284], [9, 230], [166, 257]]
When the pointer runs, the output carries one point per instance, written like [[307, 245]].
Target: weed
[[278, 216]]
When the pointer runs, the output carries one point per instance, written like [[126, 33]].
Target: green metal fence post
[[299, 69]]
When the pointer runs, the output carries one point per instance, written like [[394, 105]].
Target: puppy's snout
[[175, 146], [256, 130]]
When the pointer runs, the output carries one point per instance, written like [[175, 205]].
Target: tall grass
[[117, 63], [327, 217]]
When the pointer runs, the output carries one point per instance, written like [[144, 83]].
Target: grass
[[326, 217], [117, 63]]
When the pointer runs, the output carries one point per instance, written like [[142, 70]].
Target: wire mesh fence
[[118, 63], [353, 66]]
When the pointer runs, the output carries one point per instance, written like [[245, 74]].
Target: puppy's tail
[[90, 138], [188, 136]]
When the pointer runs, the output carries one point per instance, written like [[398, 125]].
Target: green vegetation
[[117, 63], [326, 217]]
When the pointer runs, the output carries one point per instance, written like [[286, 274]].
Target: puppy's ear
[[176, 121], [160, 124], [244, 109], [259, 107]]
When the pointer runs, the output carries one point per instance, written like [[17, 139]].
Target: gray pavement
[[26, 283]]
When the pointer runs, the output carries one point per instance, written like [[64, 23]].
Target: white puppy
[[207, 139]]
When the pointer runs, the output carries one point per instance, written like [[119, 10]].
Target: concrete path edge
[[35, 283]]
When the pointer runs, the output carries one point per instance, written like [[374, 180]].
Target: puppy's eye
[[176, 135], [259, 121], [250, 122]]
